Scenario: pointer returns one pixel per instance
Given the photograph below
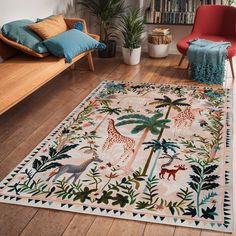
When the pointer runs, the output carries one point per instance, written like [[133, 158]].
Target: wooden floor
[[26, 124]]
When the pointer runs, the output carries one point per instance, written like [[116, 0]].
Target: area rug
[[138, 151]]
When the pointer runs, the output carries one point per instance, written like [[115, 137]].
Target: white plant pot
[[158, 51], [133, 58]]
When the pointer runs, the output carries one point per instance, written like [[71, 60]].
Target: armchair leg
[[90, 61], [232, 67], [181, 60]]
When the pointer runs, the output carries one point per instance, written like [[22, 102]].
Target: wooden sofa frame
[[21, 74]]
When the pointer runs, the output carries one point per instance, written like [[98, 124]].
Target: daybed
[[21, 74]]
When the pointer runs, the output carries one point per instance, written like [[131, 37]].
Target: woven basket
[[160, 39]]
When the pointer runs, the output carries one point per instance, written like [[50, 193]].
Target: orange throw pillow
[[49, 27], [22, 47]]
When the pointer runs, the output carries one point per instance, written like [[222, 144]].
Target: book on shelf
[[175, 11]]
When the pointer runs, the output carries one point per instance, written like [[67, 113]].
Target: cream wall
[[31, 9]]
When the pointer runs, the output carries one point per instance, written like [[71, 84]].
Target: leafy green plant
[[34, 188], [95, 177], [209, 213], [49, 162], [132, 27], [150, 196], [107, 12], [203, 179], [186, 201], [65, 190]]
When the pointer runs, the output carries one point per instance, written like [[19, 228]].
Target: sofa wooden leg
[[90, 61], [232, 67], [181, 60]]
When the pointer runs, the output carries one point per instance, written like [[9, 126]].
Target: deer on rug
[[75, 170], [115, 137], [171, 172]]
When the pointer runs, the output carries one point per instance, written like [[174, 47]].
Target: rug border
[[111, 213]]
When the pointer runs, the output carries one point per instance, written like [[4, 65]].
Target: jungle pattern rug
[[138, 151]]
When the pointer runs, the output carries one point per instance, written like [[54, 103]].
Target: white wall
[[31, 9]]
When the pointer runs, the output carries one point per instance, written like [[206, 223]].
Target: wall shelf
[[173, 12]]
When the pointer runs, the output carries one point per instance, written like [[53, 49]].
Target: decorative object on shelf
[[168, 160], [132, 27], [108, 14], [158, 42], [176, 11]]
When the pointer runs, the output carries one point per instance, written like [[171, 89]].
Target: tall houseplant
[[108, 13], [132, 27]]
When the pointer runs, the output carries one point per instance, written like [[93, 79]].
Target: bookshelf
[[173, 12]]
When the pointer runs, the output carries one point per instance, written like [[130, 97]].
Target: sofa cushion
[[71, 43], [49, 27], [22, 47], [79, 26], [19, 33]]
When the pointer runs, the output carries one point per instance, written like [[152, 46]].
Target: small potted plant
[[108, 13], [132, 27]]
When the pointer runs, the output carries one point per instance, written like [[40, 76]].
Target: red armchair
[[215, 23]]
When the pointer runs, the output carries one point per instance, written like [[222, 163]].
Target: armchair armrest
[[71, 21]]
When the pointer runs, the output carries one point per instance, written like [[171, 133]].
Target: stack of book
[[175, 11], [160, 36]]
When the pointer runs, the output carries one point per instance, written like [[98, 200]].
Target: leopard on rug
[[139, 151]]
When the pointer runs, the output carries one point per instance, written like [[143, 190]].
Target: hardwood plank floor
[[26, 124]]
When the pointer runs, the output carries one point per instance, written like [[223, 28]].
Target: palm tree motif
[[156, 145], [144, 123], [171, 104], [171, 158], [109, 111]]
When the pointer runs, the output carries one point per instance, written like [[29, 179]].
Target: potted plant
[[107, 12], [132, 27]]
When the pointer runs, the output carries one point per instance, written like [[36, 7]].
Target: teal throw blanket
[[207, 60]]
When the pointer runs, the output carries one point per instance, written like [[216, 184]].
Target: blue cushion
[[78, 26], [71, 43], [19, 32]]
